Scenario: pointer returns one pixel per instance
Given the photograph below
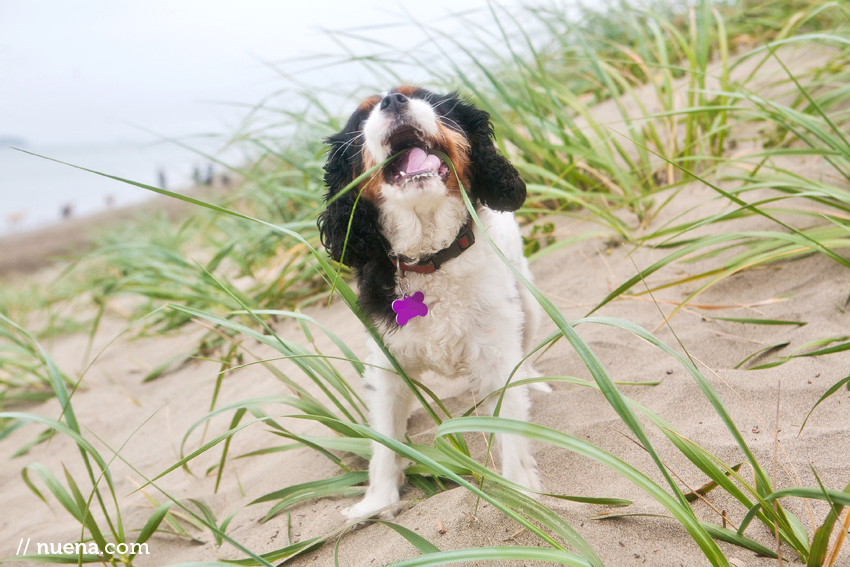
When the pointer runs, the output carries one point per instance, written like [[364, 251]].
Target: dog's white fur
[[379, 126], [480, 318]]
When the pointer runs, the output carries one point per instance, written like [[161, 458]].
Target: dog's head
[[415, 127]]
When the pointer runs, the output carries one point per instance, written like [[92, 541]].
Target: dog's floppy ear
[[493, 180], [353, 247]]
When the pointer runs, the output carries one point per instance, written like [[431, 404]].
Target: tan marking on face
[[456, 147], [369, 103], [370, 188], [406, 90], [452, 143]]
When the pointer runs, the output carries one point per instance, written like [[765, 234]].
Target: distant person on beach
[[196, 175], [210, 174], [225, 180], [161, 175], [67, 210], [110, 201], [16, 217]]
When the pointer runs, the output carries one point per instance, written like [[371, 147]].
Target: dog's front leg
[[389, 400]]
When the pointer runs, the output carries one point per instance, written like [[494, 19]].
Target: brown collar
[[430, 264]]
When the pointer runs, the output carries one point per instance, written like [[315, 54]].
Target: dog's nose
[[394, 102]]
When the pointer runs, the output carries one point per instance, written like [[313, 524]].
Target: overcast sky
[[85, 71]]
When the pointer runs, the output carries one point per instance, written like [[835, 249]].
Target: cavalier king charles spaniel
[[440, 296]]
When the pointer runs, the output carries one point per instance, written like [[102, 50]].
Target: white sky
[[86, 71]]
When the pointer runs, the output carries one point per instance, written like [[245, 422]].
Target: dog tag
[[408, 307]]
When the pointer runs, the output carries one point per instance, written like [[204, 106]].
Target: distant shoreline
[[38, 192], [31, 250]]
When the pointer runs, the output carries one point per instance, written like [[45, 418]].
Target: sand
[[29, 251], [147, 421]]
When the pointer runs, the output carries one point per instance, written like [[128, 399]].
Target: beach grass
[[682, 96]]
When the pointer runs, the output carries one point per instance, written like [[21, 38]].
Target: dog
[[438, 293]]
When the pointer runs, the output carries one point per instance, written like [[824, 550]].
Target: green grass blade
[[423, 545], [820, 541], [153, 522], [777, 322], [682, 512], [483, 554], [733, 537], [540, 513], [832, 389]]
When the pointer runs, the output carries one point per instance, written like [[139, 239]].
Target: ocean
[[35, 192]]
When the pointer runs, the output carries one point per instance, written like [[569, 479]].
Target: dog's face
[[417, 129], [413, 126]]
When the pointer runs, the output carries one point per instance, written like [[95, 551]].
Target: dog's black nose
[[394, 102]]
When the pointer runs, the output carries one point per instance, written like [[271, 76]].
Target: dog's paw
[[361, 511], [372, 505], [525, 474], [541, 387]]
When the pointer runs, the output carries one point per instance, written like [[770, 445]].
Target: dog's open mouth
[[415, 162]]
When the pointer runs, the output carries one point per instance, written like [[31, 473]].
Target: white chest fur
[[472, 301]]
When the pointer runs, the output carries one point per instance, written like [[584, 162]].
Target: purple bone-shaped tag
[[410, 306]]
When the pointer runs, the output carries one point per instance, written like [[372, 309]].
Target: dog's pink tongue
[[418, 161]]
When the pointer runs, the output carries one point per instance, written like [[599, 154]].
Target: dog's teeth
[[402, 173]]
